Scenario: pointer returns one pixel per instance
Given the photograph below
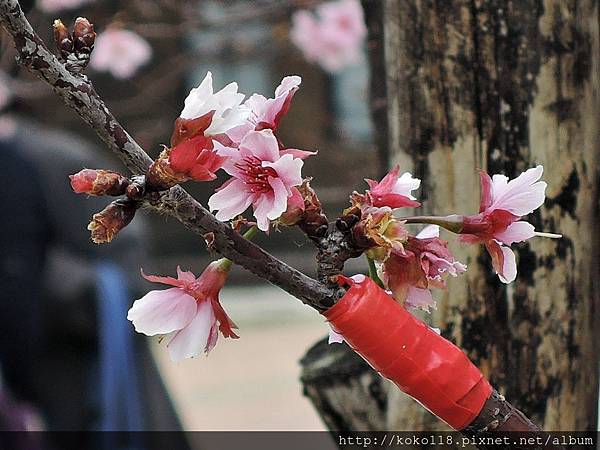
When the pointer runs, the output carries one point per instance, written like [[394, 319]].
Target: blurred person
[[66, 347]]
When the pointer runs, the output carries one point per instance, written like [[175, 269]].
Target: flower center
[[254, 175]]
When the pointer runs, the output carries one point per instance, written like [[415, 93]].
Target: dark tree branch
[[79, 94]]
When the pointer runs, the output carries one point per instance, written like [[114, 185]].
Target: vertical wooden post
[[505, 85]]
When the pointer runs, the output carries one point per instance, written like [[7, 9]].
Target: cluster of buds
[[118, 214], [75, 48]]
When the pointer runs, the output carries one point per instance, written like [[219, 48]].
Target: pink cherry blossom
[[120, 52], [266, 113], [334, 38], [422, 264], [51, 6], [499, 224], [393, 191], [189, 313], [224, 105], [262, 177]]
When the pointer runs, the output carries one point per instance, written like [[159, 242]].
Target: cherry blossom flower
[[266, 113], [206, 118], [50, 6], [392, 191], [120, 52], [262, 177], [189, 313], [209, 112], [499, 224], [334, 38], [421, 265]]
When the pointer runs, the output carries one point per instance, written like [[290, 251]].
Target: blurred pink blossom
[[499, 223], [51, 6], [334, 37], [120, 52], [262, 177], [190, 312]]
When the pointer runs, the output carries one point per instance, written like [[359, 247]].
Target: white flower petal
[[161, 312], [193, 339]]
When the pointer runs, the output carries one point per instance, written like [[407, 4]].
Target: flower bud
[[295, 210], [314, 223], [62, 39], [112, 219], [83, 38], [99, 182], [161, 175]]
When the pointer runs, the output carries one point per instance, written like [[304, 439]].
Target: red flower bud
[[112, 219], [83, 37], [99, 182]]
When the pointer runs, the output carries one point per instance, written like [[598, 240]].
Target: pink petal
[[516, 232], [163, 280], [387, 183], [296, 153], [520, 196], [231, 200], [262, 144], [486, 191], [503, 261], [289, 170], [161, 312], [186, 276], [237, 134], [232, 154], [430, 231], [280, 198], [262, 208], [419, 299], [405, 184], [194, 338]]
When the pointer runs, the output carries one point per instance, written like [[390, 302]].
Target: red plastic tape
[[405, 350]]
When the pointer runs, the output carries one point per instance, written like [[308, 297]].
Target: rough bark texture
[[504, 86]]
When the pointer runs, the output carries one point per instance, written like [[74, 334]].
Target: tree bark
[[503, 86]]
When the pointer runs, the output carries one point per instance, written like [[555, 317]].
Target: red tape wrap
[[406, 351]]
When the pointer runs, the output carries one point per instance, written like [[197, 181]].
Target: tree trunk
[[504, 86]]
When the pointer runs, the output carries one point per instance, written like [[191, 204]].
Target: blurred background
[[149, 54]]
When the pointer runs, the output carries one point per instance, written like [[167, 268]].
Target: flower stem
[[453, 223], [373, 272], [225, 263]]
